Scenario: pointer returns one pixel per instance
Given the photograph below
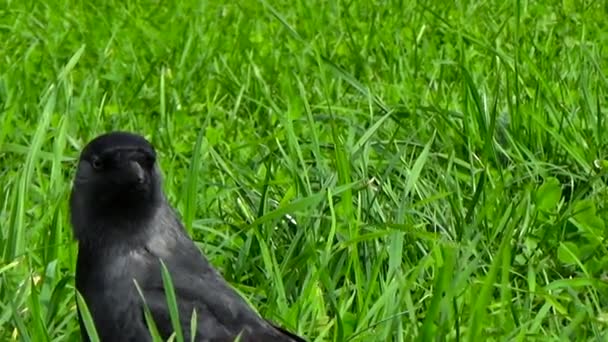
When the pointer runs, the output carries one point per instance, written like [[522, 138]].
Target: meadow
[[359, 171]]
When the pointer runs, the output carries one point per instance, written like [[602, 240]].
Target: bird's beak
[[137, 171]]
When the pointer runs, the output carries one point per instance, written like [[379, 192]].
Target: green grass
[[359, 171]]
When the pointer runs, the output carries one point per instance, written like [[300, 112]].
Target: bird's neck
[[126, 226]]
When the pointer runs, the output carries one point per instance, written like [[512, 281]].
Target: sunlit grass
[[380, 171]]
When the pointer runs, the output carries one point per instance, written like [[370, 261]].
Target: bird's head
[[117, 180]]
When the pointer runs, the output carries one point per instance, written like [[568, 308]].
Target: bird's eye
[[149, 161], [97, 163]]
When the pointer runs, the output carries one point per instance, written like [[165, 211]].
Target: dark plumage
[[124, 225]]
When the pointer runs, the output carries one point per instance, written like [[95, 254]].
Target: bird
[[126, 231]]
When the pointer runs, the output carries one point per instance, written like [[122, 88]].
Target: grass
[[360, 171]]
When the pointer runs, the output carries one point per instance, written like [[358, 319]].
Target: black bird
[[124, 226]]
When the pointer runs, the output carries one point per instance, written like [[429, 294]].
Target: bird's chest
[[108, 282]]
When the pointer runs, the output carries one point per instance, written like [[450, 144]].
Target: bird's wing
[[221, 312], [294, 337]]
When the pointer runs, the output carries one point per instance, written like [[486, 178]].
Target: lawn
[[359, 171]]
